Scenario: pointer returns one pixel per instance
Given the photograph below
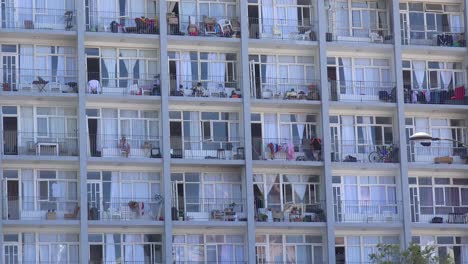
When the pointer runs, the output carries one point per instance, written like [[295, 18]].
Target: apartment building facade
[[230, 131]]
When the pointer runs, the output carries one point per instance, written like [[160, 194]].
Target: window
[[56, 122], [453, 247], [211, 248], [439, 196], [276, 248], [356, 249], [275, 191], [57, 190], [123, 67], [137, 248]]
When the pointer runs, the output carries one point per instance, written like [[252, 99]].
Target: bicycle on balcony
[[383, 154]]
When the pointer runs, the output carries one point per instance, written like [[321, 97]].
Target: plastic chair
[[225, 26], [375, 37], [209, 25]]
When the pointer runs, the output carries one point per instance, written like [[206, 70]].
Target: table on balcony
[[49, 145]]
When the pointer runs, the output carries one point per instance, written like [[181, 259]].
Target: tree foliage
[[414, 254]]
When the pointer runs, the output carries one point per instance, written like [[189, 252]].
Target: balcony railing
[[437, 153], [208, 209], [285, 149], [38, 18], [362, 91], [40, 208], [282, 29], [203, 26], [123, 84], [426, 212], [40, 144], [419, 35], [207, 148], [126, 209], [39, 81], [365, 152], [284, 89], [451, 96], [292, 212], [116, 22], [132, 146], [213, 86], [359, 211], [360, 35]]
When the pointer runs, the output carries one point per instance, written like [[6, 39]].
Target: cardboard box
[[51, 216], [445, 159]]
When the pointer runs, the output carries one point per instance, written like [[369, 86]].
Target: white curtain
[[26, 127], [347, 135], [287, 16], [184, 70], [26, 71], [446, 75], [110, 249], [60, 71], [109, 133], [44, 253], [270, 129], [195, 137], [368, 140], [442, 148], [419, 68], [267, 17], [421, 125], [29, 254], [296, 77], [27, 180], [301, 119], [226, 252], [270, 181], [24, 11], [216, 70], [270, 74], [129, 65], [115, 191], [186, 9], [299, 189], [348, 75], [134, 252], [107, 12]]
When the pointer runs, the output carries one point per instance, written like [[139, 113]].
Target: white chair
[[25, 87], [375, 37], [54, 87], [225, 26], [277, 33]]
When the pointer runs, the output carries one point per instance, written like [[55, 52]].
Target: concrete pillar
[[326, 139], [166, 170], [248, 180], [400, 119], [82, 136]]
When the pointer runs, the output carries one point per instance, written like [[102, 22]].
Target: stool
[[221, 154], [239, 153]]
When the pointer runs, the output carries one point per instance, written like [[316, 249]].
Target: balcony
[[37, 18], [437, 95], [126, 209], [211, 87], [366, 211], [369, 35], [132, 147], [291, 212], [426, 212], [207, 148], [123, 85], [422, 35], [284, 89], [208, 209], [282, 29], [362, 91], [40, 144], [40, 208], [364, 152], [437, 154], [117, 22], [203, 26], [41, 81], [285, 149]]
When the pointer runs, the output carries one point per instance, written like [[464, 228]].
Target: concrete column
[[2, 197], [248, 180], [400, 119], [166, 170], [326, 139], [82, 141], [465, 7]]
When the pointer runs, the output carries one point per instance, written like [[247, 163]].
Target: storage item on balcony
[[445, 159], [51, 215], [73, 215]]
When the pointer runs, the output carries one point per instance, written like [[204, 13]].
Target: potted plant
[[133, 205], [262, 217]]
